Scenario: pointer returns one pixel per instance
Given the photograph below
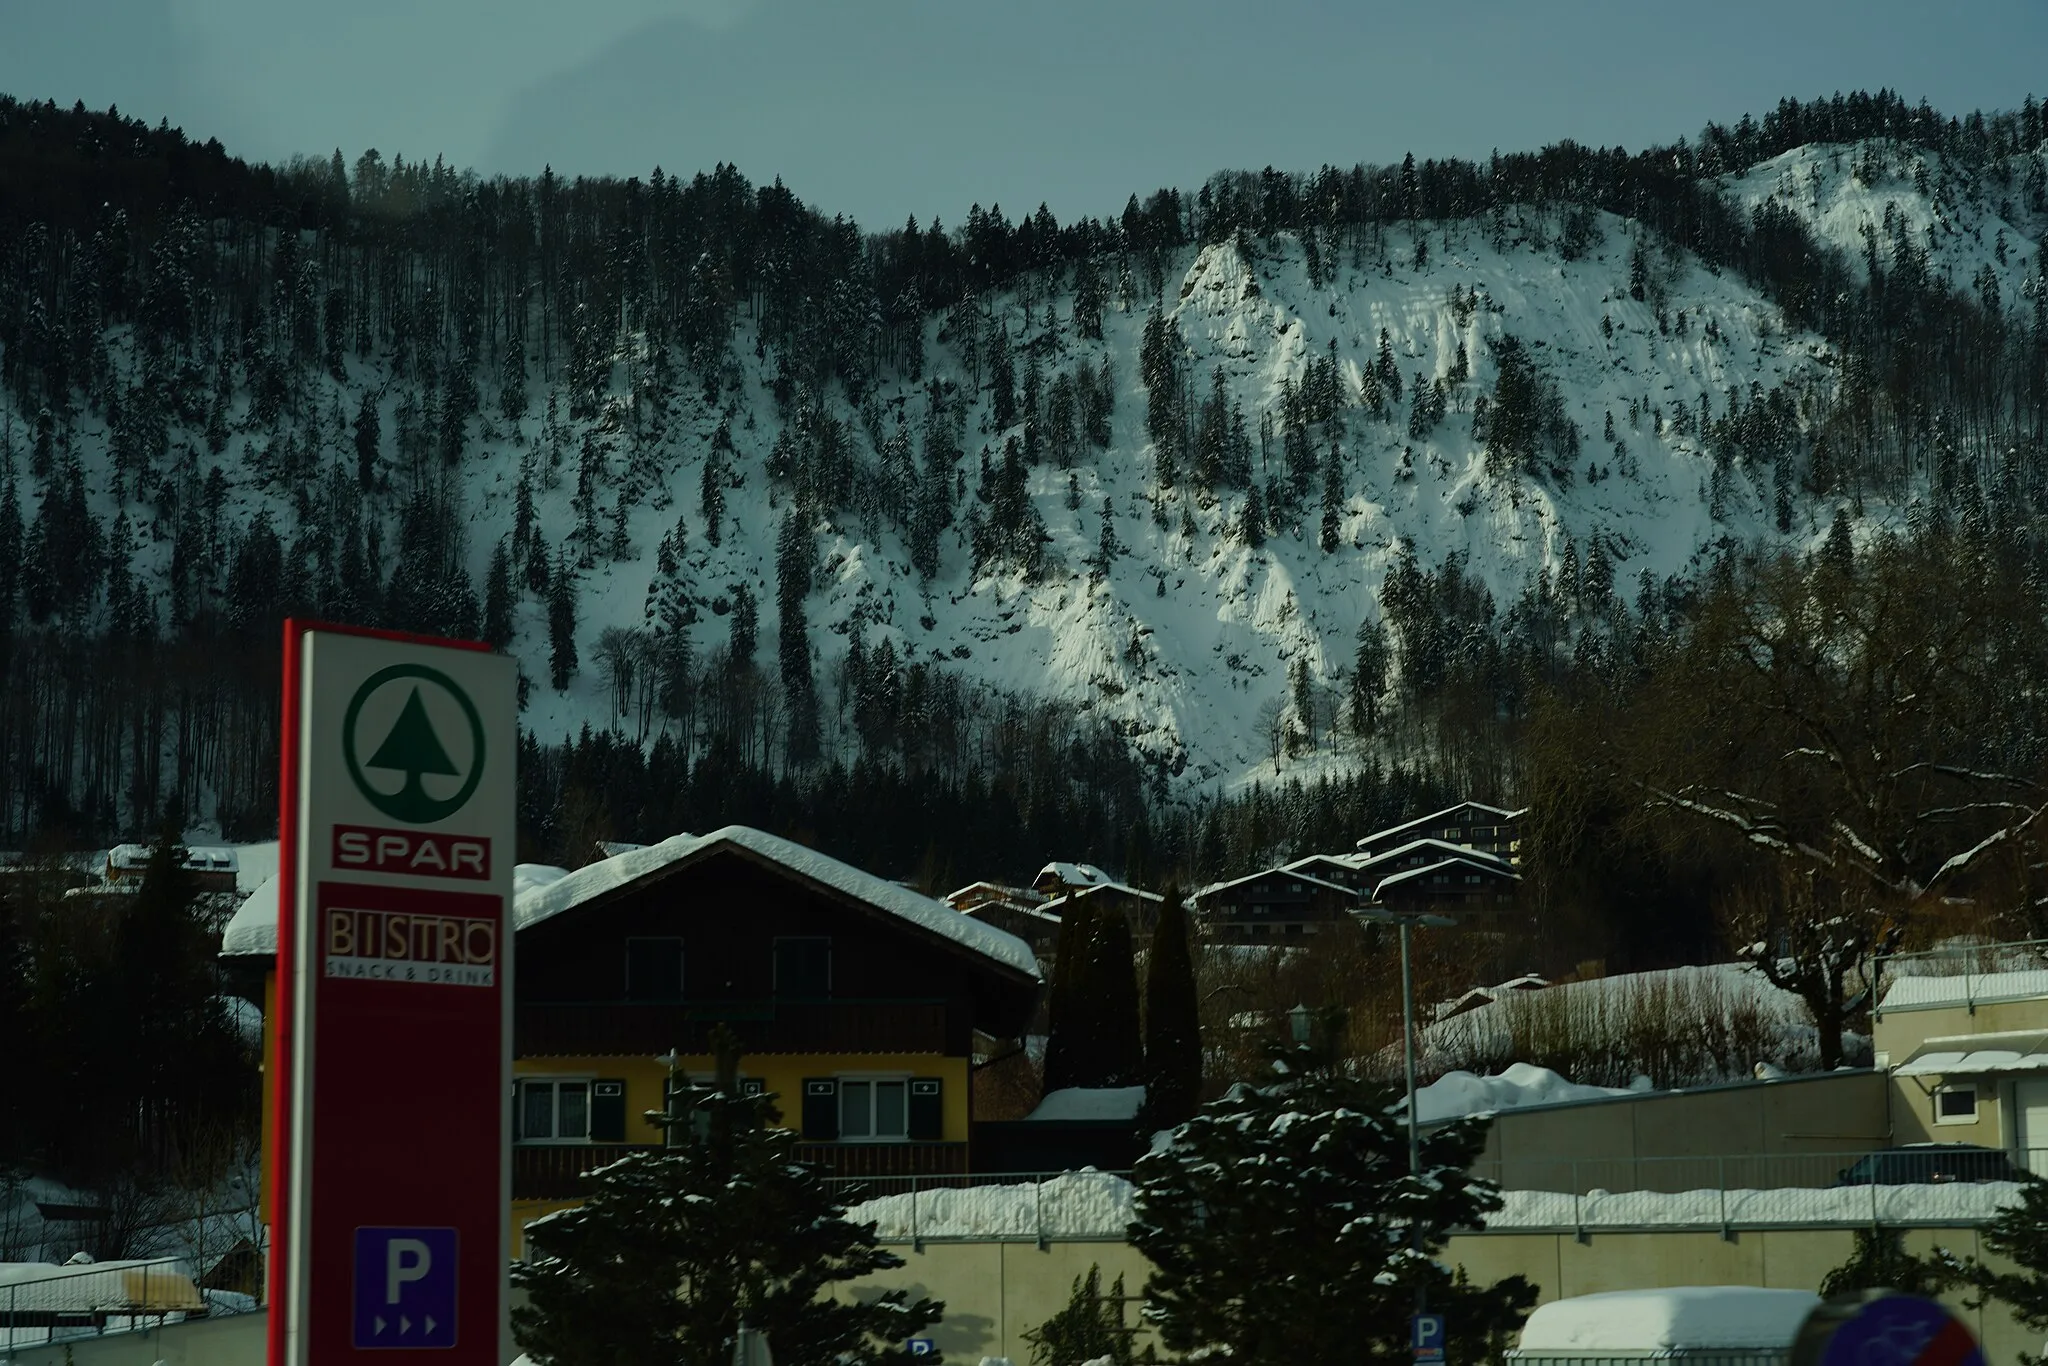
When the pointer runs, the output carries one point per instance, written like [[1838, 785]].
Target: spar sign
[[391, 1187]]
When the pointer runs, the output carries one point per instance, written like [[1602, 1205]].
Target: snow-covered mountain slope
[[1188, 670], [1187, 640], [1870, 195]]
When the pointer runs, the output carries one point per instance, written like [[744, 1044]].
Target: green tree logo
[[412, 749]]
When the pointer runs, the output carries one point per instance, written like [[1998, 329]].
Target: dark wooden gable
[[729, 910]]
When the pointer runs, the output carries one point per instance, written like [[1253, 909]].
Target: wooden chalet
[[857, 1003], [1469, 825], [1279, 904]]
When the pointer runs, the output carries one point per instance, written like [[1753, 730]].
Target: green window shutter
[[821, 1109], [927, 1108], [608, 1111]]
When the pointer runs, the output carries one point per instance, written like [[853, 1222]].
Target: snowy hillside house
[[1964, 1037], [856, 1001], [1057, 879], [1469, 825], [212, 870], [1138, 907], [1279, 903]]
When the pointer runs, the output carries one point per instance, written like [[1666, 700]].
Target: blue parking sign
[[1426, 1336], [405, 1288]]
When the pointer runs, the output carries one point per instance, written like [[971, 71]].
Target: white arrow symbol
[[380, 1323], [404, 1325], [430, 1325]]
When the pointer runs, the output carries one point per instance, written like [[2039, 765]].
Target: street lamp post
[[1378, 915]]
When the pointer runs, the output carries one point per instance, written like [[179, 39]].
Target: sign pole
[[390, 1183]]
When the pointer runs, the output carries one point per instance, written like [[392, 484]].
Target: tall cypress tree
[[1173, 1025], [1117, 1057], [1067, 1025]]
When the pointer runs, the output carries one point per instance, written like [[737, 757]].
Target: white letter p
[[398, 1270]]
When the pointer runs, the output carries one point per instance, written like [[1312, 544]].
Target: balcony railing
[[551, 1171], [616, 1028]]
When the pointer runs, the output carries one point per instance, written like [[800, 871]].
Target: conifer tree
[[1303, 1189], [498, 599], [1368, 677], [1252, 524], [1065, 1029], [746, 625], [1089, 1330], [561, 623], [1173, 1024], [793, 585], [1333, 500], [673, 1250]]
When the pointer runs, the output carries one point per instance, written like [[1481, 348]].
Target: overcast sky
[[885, 108]]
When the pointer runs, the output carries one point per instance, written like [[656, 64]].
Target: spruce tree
[[1089, 1330], [1116, 1055], [675, 1249], [2018, 1236], [498, 599], [1173, 1023], [562, 623], [1065, 1029], [1303, 1190], [1333, 501]]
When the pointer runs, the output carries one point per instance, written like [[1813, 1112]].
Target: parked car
[[1921, 1164]]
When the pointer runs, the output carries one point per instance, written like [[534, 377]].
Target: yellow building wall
[[1897, 1034], [781, 1073]]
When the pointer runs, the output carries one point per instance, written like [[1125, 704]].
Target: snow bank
[[1090, 1102], [1713, 1316], [1456, 1094], [1083, 1204]]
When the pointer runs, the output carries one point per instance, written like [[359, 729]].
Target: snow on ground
[[1520, 1084], [1722, 998], [1090, 1102], [1083, 1204], [1662, 1320]]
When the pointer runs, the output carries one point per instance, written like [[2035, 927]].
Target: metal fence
[[39, 1306], [1929, 1186]]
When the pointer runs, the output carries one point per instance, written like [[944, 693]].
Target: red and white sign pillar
[[391, 1180]]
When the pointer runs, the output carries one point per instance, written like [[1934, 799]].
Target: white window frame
[[589, 1083], [872, 1077], [1960, 1088]]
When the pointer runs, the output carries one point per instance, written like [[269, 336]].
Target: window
[[803, 968], [552, 1112], [654, 969], [1955, 1105], [874, 1109]]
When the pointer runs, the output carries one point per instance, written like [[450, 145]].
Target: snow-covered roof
[[1090, 1102], [1073, 874], [1490, 868], [1663, 1320], [1978, 988], [599, 879], [1381, 834], [541, 892], [1287, 872], [1962, 1055], [253, 927], [992, 891], [1443, 847], [1348, 862], [198, 858], [1080, 893]]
